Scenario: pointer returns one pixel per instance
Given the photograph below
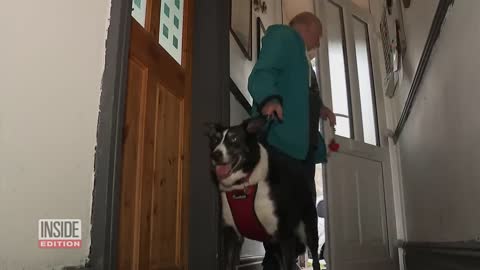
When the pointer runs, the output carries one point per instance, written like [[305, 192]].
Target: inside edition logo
[[59, 233]]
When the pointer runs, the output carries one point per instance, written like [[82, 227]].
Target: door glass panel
[[171, 28], [365, 82], [139, 9], [338, 70]]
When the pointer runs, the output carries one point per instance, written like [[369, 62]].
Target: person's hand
[[327, 114], [272, 109]]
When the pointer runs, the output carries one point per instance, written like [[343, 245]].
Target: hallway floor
[[323, 265]]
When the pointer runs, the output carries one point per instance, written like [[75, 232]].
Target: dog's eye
[[234, 139], [215, 139]]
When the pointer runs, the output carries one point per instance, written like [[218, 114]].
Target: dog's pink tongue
[[222, 171]]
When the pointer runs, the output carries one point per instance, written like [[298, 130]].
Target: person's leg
[[310, 168], [309, 218], [311, 232]]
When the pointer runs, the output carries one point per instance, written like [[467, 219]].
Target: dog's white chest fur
[[264, 208], [263, 204]]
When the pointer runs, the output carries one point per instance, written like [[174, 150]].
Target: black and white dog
[[261, 199]]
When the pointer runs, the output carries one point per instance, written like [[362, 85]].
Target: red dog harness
[[242, 206]]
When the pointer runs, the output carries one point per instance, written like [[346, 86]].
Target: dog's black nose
[[216, 155]]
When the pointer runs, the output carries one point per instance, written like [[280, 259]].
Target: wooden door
[[153, 229]]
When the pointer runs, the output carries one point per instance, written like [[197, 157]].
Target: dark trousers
[[302, 170]]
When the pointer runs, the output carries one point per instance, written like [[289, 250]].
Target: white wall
[[237, 112], [418, 19], [240, 66], [439, 144], [52, 60]]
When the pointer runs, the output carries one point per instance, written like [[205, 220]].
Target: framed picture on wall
[[282, 12], [406, 3], [241, 25], [260, 34]]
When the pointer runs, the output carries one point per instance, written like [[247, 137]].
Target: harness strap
[[242, 206]]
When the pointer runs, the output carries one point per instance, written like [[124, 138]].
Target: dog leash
[[262, 136], [333, 145]]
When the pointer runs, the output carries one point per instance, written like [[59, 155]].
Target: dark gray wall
[[210, 103], [109, 137]]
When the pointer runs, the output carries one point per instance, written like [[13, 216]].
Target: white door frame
[[364, 150]]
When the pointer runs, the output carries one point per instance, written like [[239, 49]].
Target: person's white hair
[[306, 18]]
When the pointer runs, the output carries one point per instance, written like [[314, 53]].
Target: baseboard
[[250, 263], [77, 268], [442, 256]]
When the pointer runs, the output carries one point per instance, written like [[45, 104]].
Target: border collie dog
[[261, 198]]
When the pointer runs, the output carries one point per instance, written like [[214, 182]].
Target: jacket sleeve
[[272, 60]]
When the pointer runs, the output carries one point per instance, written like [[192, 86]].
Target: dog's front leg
[[232, 244]]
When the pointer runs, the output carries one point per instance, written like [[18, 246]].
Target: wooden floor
[[323, 266]]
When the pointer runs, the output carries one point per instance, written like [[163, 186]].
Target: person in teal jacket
[[282, 82], [284, 86]]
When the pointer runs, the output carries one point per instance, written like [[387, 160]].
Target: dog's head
[[234, 151]]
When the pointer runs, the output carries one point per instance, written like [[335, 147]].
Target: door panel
[[359, 214], [154, 189], [358, 177], [131, 168], [166, 188]]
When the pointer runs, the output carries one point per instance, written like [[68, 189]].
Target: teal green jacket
[[282, 74]]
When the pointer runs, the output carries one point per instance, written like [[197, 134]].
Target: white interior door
[[360, 213]]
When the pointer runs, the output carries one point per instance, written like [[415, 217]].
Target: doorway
[[360, 220], [357, 229]]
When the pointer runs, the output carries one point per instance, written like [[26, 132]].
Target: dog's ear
[[254, 125], [211, 129]]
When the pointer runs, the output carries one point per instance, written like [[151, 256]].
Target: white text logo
[[59, 233]]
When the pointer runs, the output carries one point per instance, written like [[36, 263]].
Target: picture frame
[[282, 11], [260, 34], [241, 25]]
